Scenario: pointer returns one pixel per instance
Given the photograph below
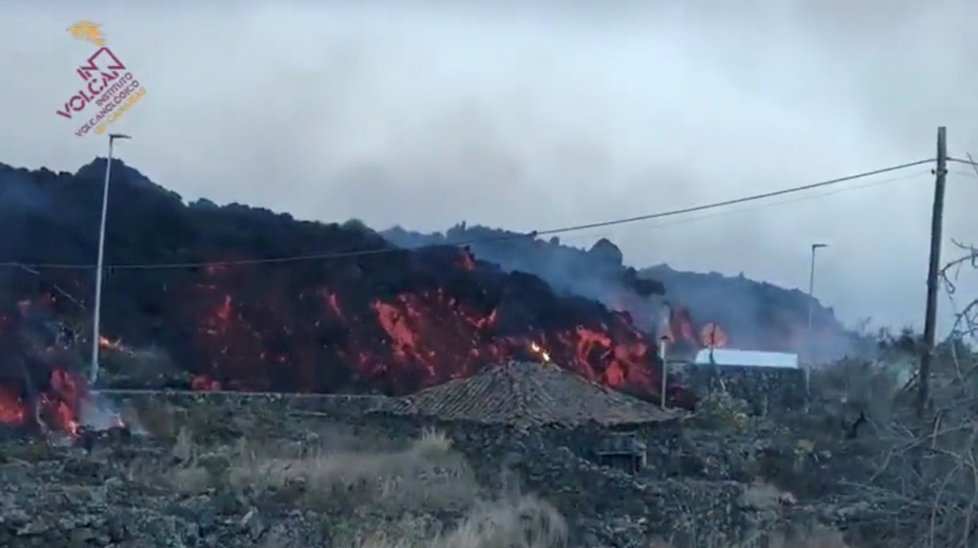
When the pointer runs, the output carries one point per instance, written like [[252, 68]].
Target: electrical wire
[[790, 201], [960, 161], [514, 236], [749, 209], [751, 198]]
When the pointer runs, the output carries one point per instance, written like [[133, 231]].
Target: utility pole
[[810, 358], [930, 319], [96, 334]]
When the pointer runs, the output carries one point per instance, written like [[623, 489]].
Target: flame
[[56, 407], [204, 383], [404, 341], [466, 261], [107, 344], [394, 329], [51, 398], [63, 399], [59, 412], [12, 409], [539, 351]]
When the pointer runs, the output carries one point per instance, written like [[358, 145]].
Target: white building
[[745, 358]]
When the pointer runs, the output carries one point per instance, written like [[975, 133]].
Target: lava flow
[[389, 323], [422, 319], [56, 406], [59, 406], [38, 389]]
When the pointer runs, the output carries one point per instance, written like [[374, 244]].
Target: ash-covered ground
[[220, 469], [489, 461]]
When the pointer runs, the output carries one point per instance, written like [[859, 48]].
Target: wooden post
[[930, 319]]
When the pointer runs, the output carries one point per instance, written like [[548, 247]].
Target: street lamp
[[663, 342], [811, 310], [96, 336]]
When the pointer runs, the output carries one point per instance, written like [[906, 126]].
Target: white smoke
[[97, 412]]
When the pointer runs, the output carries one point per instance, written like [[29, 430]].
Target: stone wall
[[333, 404], [767, 390]]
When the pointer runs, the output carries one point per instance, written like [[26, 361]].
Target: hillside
[[356, 315], [755, 315]]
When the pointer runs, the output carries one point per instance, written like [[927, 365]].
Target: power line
[[752, 208], [734, 201], [960, 161], [531, 234], [749, 209], [791, 201]]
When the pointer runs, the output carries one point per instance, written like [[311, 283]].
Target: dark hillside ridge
[[755, 315], [389, 322]]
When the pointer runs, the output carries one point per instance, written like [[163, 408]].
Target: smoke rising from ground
[[522, 117], [754, 315]]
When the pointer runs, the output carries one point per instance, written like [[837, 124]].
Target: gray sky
[[537, 117]]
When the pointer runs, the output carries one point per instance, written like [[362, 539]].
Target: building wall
[[767, 390]]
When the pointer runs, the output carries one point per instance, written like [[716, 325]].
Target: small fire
[[539, 351], [108, 344], [57, 407], [466, 261], [204, 383], [39, 392], [71, 392], [58, 412], [12, 410]]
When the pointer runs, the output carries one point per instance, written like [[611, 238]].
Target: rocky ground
[[215, 474]]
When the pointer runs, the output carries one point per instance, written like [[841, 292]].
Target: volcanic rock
[[758, 315], [356, 315], [144, 494], [524, 394], [755, 315]]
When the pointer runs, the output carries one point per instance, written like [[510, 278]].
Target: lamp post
[[96, 336], [810, 358], [663, 341]]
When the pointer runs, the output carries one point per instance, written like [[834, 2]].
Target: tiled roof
[[529, 394]]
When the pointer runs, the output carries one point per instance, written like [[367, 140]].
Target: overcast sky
[[526, 118]]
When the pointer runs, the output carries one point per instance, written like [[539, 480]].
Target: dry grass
[[764, 496], [813, 538], [426, 474], [160, 421], [512, 522], [422, 494], [432, 442], [817, 538]]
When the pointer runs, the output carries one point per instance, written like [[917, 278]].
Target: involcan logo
[[108, 88]]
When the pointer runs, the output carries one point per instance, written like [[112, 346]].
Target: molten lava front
[[389, 324], [59, 406], [56, 406], [408, 340], [12, 407], [38, 388]]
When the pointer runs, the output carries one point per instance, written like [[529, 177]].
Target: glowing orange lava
[[12, 409]]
